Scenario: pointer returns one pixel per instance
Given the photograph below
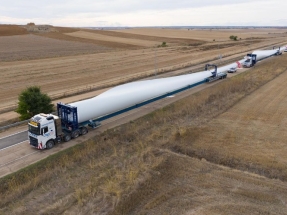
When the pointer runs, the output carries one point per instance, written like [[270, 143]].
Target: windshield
[[34, 130]]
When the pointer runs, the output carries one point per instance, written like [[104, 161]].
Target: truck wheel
[[75, 134], [84, 130], [50, 144], [67, 137]]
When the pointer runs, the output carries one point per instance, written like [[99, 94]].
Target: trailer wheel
[[75, 134], [50, 144], [67, 137], [84, 130]]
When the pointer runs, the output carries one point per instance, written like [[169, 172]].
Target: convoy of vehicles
[[73, 120]]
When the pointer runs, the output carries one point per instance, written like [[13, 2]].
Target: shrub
[[232, 37]]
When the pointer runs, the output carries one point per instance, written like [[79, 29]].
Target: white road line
[[17, 159], [14, 134], [13, 145]]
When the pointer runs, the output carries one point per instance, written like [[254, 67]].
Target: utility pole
[[219, 56]]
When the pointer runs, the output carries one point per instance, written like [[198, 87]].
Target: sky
[[128, 13]]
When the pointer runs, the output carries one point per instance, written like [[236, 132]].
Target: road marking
[[13, 134], [13, 145]]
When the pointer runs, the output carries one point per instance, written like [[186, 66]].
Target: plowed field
[[11, 30], [29, 47]]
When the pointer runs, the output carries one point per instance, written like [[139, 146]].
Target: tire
[[75, 134], [67, 137], [50, 144], [84, 131]]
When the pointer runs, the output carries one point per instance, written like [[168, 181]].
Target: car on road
[[232, 70]]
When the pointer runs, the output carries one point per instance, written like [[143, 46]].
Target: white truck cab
[[42, 131], [250, 60]]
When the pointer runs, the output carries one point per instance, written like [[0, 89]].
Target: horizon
[[163, 26]]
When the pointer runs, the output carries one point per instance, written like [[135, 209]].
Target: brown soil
[[29, 47], [11, 30]]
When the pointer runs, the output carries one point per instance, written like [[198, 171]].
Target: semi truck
[[73, 120], [250, 60], [45, 130]]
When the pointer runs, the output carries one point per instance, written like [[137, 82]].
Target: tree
[[32, 101]]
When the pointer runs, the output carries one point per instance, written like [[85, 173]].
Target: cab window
[[34, 130], [44, 130]]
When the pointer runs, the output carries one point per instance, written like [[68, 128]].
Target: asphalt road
[[13, 139]]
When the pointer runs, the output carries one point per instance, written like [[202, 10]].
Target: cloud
[[46, 8], [144, 13]]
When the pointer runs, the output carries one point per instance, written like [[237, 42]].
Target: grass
[[153, 164]]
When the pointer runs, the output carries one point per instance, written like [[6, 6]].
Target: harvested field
[[189, 41], [208, 34], [130, 41], [151, 165], [108, 44], [11, 30], [251, 135], [68, 67], [29, 47], [63, 76]]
